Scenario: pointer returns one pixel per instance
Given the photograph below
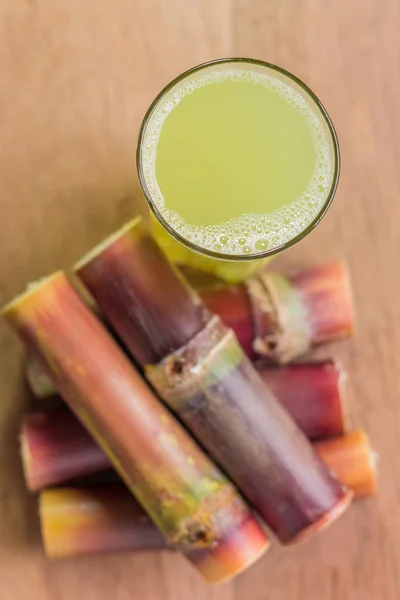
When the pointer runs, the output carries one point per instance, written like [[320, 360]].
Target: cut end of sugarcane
[[353, 461], [325, 521], [26, 460], [137, 222], [373, 462], [42, 507], [30, 292], [92, 520], [232, 556], [59, 528], [38, 381], [368, 485], [342, 393], [30, 450], [45, 506], [374, 458]]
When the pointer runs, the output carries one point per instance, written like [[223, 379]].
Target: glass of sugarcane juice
[[238, 160]]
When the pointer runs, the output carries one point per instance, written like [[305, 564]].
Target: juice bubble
[[261, 245]]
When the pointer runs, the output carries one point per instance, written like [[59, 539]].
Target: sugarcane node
[[279, 318], [220, 400], [272, 344], [199, 534], [177, 365]]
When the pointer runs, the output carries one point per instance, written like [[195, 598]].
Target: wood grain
[[76, 78]]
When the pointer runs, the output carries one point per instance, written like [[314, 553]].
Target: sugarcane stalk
[[89, 520], [233, 305], [278, 318], [282, 317], [210, 383], [195, 507], [353, 460], [55, 447], [312, 393]]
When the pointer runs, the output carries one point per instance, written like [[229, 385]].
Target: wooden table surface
[[75, 78]]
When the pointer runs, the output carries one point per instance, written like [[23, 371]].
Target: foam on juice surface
[[250, 233]]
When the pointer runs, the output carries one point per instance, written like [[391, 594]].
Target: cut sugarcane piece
[[161, 328], [91, 520], [312, 393], [198, 511], [55, 447], [232, 304], [88, 520], [352, 459], [210, 383], [282, 317]]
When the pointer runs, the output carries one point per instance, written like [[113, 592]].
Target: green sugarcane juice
[[236, 162]]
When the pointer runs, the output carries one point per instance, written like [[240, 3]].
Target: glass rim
[[264, 253]]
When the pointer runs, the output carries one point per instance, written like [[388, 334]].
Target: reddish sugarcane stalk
[[312, 393], [273, 316], [202, 373], [280, 318], [198, 511], [77, 521], [55, 447]]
